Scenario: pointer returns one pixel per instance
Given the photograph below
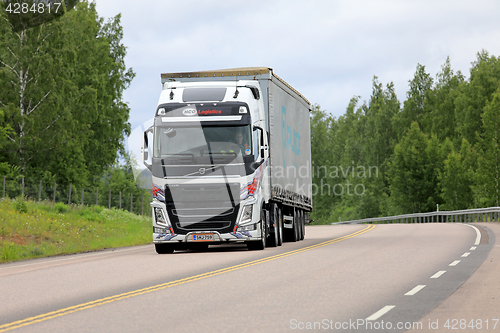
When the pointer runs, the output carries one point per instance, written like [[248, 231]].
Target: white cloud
[[327, 50]]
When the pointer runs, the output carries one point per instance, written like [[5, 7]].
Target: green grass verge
[[31, 229]]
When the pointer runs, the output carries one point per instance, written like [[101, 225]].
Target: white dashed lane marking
[[415, 290], [438, 274], [381, 312]]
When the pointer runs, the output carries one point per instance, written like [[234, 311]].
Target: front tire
[[260, 244], [164, 248]]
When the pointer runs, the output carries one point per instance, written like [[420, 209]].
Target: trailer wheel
[[274, 230], [164, 248], [303, 226], [296, 224], [292, 235], [299, 224], [280, 227]]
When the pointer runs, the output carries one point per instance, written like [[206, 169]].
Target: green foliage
[[457, 177], [61, 208], [487, 187], [61, 90], [441, 147], [413, 172], [46, 230], [20, 205]]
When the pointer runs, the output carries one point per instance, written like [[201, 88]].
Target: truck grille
[[202, 207]]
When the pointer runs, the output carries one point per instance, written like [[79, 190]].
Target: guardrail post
[[69, 196], [120, 199], [109, 204], [131, 198], [55, 187], [22, 187], [40, 191], [97, 196], [83, 194]]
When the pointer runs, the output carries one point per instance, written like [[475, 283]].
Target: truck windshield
[[202, 144]]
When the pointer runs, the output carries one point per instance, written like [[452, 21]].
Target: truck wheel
[[303, 224], [299, 224], [292, 235], [280, 227], [274, 234], [164, 248], [260, 244], [296, 224]]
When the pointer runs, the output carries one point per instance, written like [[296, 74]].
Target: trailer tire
[[296, 224], [303, 225], [292, 235], [280, 227], [164, 248]]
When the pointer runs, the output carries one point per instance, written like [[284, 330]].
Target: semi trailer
[[230, 157]]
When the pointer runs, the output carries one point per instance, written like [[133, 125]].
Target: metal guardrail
[[460, 216]]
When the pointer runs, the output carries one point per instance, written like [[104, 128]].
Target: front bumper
[[218, 238]]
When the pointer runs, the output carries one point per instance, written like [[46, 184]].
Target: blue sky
[[328, 50]]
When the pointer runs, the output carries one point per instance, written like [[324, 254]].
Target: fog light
[[250, 227], [157, 230]]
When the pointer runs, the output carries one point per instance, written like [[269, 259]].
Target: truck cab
[[208, 152]]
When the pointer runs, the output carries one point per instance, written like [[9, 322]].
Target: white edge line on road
[[478, 234], [415, 290], [438, 274], [466, 254], [381, 312], [40, 261], [454, 263]]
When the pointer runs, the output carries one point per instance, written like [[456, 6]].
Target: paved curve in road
[[343, 278]]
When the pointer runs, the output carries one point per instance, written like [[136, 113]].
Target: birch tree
[[61, 91]]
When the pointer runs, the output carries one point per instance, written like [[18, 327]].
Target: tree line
[[440, 148], [62, 114]]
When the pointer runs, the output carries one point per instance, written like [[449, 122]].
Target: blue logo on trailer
[[289, 137]]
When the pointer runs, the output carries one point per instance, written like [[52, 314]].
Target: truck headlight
[[246, 215], [159, 217]]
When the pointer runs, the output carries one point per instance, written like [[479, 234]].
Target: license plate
[[203, 237]]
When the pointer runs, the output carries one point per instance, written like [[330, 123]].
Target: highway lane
[[343, 281]]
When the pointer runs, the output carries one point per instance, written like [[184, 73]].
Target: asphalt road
[[346, 278]]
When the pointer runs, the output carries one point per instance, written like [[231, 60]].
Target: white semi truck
[[230, 157]]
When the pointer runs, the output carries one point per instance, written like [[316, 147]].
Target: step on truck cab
[[230, 157]]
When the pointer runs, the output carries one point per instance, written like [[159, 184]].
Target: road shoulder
[[475, 306]]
